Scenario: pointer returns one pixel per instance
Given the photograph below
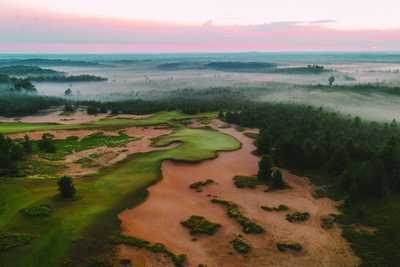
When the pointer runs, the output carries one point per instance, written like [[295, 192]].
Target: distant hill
[[23, 70], [49, 62]]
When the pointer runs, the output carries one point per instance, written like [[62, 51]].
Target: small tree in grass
[[264, 168], [277, 180], [66, 187]]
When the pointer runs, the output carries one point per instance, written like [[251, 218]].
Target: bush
[[241, 246], [198, 186], [248, 226], [277, 180], [246, 182], [46, 144], [279, 208], [66, 187], [11, 240], [298, 217], [178, 260], [283, 247], [200, 225], [327, 222], [37, 211]]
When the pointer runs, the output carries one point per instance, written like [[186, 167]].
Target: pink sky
[[67, 26]]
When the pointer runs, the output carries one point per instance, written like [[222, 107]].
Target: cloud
[[30, 31]]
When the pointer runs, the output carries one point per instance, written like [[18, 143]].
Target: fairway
[[54, 236]]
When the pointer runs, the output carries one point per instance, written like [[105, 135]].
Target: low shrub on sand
[[248, 226], [178, 260], [246, 182], [240, 245], [198, 186], [279, 208], [200, 225], [293, 247], [327, 222], [298, 217]]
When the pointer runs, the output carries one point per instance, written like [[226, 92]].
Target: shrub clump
[[66, 187], [36, 211], [319, 192], [198, 186], [298, 217], [279, 208], [327, 222], [11, 240], [241, 246], [248, 226], [200, 225], [178, 260], [294, 247], [246, 182]]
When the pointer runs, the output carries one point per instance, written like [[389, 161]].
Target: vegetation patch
[[298, 217], [12, 240], [319, 192], [327, 222], [246, 182], [248, 226], [198, 186], [241, 246], [251, 135], [74, 144], [279, 208], [291, 247], [178, 260], [200, 225], [37, 211]]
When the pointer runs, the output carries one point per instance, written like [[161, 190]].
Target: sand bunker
[[56, 116], [171, 201], [107, 156]]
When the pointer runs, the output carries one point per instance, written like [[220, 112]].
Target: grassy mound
[[241, 246], [198, 186], [248, 226], [298, 217], [200, 225], [12, 240], [246, 182], [36, 211], [178, 260], [279, 208], [293, 247]]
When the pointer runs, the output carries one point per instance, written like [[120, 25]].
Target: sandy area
[[171, 201], [55, 116], [111, 155]]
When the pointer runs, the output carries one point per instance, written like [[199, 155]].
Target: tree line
[[364, 157]]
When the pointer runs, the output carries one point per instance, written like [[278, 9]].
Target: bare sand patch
[[108, 156], [171, 201], [56, 115]]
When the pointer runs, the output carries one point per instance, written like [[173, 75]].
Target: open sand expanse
[[171, 201]]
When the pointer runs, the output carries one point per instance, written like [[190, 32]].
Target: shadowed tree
[[264, 168], [331, 80], [66, 187]]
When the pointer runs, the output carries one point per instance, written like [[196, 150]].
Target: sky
[[104, 26]]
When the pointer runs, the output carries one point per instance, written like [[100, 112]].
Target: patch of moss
[[246, 182], [200, 225], [241, 246], [178, 260], [294, 247], [248, 226], [12, 240], [36, 211], [279, 208], [198, 186], [298, 217]]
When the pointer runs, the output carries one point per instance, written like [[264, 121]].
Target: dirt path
[[171, 201]]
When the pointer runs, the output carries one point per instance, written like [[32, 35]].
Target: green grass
[[55, 235], [109, 123], [72, 144]]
